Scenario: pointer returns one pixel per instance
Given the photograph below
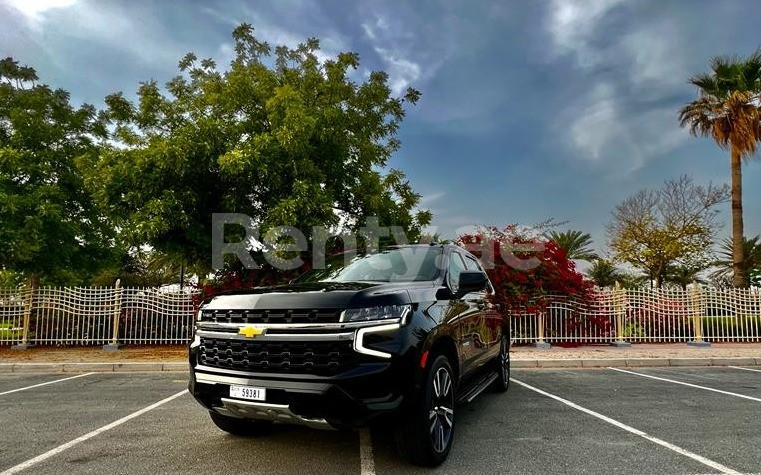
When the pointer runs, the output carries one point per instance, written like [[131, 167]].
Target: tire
[[241, 427], [426, 430], [502, 365]]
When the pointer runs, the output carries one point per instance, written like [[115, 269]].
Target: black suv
[[408, 332]]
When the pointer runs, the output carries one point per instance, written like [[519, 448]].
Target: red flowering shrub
[[524, 268]]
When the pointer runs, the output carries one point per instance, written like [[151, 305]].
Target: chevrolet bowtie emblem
[[250, 331]]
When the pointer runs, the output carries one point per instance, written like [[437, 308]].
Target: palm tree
[[683, 276], [604, 273], [751, 258], [575, 244], [729, 111]]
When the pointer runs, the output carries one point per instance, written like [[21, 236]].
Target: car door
[[490, 319], [469, 317]]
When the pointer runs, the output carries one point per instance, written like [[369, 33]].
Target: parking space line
[[745, 369], [698, 458], [751, 398], [44, 384], [367, 463], [50, 453]]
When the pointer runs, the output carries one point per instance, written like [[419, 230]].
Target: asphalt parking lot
[[688, 421]]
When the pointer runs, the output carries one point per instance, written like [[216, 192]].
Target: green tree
[[675, 225], [755, 277], [575, 244], [9, 279], [682, 276], [140, 268], [49, 227], [751, 259], [604, 273], [729, 111], [282, 137]]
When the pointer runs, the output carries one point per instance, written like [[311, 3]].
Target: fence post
[[115, 345], [619, 310], [540, 343], [697, 314], [28, 302]]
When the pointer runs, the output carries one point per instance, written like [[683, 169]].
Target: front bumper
[[379, 385]]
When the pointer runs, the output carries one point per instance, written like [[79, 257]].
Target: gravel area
[[646, 350], [90, 354]]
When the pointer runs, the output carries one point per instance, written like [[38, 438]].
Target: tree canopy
[[575, 243], [604, 273], [50, 228], [751, 264], [675, 225], [281, 136]]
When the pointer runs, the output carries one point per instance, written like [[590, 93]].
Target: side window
[[456, 265], [473, 264]]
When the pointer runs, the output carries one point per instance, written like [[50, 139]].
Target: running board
[[478, 388]]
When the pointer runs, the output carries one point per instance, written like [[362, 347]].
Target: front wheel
[[426, 432], [502, 365], [241, 427]]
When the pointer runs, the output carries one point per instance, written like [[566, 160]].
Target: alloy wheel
[[504, 360], [441, 415]]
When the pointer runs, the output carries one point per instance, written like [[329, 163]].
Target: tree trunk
[[738, 279], [33, 281]]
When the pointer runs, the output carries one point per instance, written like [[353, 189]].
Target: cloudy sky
[[530, 110]]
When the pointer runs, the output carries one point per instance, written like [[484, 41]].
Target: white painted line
[[750, 398], [90, 435], [44, 384], [367, 463], [745, 369], [698, 458]]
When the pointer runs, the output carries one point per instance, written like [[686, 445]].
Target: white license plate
[[248, 392]]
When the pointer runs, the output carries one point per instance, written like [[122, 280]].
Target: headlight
[[383, 312]]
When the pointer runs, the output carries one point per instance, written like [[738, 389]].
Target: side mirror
[[471, 281]]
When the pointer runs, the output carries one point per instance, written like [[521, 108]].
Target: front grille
[[323, 358], [272, 316]]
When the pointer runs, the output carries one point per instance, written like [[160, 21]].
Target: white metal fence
[[98, 315], [643, 316], [95, 315]]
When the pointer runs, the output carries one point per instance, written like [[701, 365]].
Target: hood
[[314, 295]]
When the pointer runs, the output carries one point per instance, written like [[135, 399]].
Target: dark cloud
[[530, 109]]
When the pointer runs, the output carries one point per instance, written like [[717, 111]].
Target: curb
[[118, 367], [174, 366]]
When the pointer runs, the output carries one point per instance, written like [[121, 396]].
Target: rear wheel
[[502, 364], [426, 432], [241, 427]]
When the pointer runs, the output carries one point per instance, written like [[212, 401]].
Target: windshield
[[407, 264]]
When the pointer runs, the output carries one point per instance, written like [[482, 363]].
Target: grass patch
[[745, 325], [10, 332]]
